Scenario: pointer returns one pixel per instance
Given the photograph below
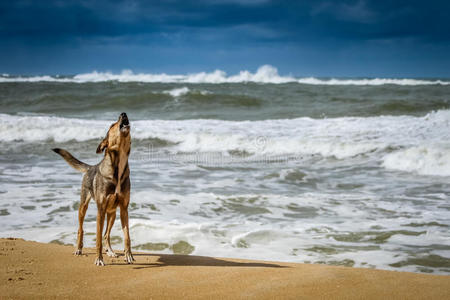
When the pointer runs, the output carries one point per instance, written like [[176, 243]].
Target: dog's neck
[[114, 165]]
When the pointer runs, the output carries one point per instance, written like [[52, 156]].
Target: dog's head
[[118, 136]]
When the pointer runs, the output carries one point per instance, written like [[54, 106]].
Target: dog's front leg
[[120, 172], [110, 218], [100, 221], [126, 232]]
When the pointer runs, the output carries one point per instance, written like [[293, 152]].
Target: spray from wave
[[264, 74]]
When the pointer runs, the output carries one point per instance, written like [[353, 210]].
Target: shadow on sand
[[189, 260]]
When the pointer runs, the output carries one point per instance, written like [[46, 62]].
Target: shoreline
[[32, 269]]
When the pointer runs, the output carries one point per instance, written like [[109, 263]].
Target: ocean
[[338, 171]]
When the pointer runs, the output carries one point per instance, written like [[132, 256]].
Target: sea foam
[[405, 143], [264, 74], [423, 160], [177, 92]]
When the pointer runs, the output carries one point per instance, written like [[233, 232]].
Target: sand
[[31, 269]]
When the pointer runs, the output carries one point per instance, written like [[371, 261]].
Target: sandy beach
[[31, 269]]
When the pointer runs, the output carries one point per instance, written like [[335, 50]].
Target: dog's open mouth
[[124, 124]]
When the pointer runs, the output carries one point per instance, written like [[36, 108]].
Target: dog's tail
[[72, 161]]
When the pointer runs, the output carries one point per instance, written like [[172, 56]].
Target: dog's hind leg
[[84, 203], [110, 218]]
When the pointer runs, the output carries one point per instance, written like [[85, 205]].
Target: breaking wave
[[399, 142], [264, 74], [423, 160], [177, 92]]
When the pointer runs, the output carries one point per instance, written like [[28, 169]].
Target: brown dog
[[108, 183]]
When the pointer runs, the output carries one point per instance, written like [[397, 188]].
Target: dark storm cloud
[[291, 21], [317, 37]]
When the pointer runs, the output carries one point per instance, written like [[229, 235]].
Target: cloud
[[261, 20], [357, 12], [240, 2], [232, 31]]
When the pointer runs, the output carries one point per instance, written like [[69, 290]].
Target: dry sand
[[36, 270]]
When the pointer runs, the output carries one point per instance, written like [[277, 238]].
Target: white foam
[[177, 92], [45, 128], [45, 78], [264, 74], [232, 234], [371, 81], [422, 142], [423, 160]]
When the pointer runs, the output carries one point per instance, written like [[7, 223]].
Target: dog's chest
[[123, 161]]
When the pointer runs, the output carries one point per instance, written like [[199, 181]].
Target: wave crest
[[177, 92], [340, 138], [421, 160], [264, 74]]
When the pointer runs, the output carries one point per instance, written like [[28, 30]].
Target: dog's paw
[[99, 262], [78, 252], [129, 258], [111, 253]]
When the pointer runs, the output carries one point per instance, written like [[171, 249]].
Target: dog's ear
[[103, 144]]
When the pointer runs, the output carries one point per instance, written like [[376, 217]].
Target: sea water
[[340, 171]]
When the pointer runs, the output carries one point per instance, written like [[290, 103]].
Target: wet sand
[[31, 269]]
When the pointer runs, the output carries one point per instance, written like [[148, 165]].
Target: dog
[[108, 183]]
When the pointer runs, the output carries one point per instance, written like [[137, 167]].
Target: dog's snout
[[123, 119]]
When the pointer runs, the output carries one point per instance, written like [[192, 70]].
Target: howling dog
[[108, 183]]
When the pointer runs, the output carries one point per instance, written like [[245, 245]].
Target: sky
[[361, 38]]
